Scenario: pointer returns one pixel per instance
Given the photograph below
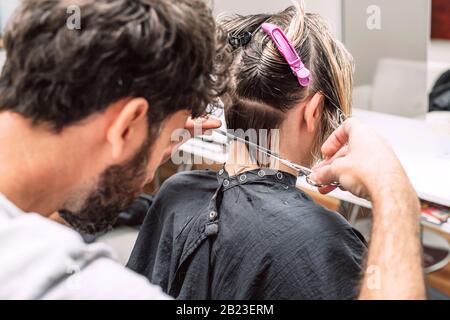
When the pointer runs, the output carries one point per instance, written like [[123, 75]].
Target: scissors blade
[[303, 171]]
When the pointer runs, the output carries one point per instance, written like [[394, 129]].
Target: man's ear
[[313, 112], [129, 128]]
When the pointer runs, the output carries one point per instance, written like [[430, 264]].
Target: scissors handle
[[306, 172], [318, 185]]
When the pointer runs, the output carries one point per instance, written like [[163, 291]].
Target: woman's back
[[252, 236]]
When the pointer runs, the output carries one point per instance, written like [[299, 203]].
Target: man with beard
[[86, 117]]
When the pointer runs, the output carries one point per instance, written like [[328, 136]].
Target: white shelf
[[439, 51]]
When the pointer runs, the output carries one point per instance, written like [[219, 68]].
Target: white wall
[[404, 33], [439, 51], [2, 59], [329, 9], [6, 9], [438, 60]]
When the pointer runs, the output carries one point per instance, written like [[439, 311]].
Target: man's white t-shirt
[[40, 259]]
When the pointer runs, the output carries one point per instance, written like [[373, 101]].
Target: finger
[[325, 175], [211, 123], [338, 139], [326, 189], [203, 123], [340, 154]]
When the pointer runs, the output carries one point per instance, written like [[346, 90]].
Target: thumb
[[325, 175]]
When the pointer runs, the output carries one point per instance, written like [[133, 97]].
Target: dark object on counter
[[440, 96], [135, 215]]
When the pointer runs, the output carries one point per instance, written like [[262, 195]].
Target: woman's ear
[[313, 112], [129, 128]]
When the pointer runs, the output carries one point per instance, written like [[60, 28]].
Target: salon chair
[[399, 88], [439, 116]]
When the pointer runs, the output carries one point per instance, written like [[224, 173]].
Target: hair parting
[[262, 83]]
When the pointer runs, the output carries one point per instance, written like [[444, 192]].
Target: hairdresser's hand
[[359, 160], [202, 125], [365, 165]]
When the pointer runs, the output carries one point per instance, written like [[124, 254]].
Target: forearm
[[394, 264]]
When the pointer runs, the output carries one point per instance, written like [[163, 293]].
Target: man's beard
[[117, 188]]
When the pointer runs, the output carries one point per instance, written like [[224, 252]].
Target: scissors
[[301, 170]]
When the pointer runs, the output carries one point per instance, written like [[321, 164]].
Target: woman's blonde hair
[[263, 86]]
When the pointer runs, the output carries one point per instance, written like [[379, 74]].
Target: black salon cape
[[253, 236]]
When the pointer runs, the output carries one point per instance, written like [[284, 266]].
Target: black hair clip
[[241, 40]]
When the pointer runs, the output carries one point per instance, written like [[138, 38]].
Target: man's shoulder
[[32, 230], [106, 279], [44, 260]]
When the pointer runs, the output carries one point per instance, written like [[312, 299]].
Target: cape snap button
[[212, 215]]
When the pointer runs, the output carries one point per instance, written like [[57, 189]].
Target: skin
[[394, 264], [32, 155], [301, 121]]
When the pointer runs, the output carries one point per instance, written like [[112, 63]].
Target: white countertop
[[423, 151]]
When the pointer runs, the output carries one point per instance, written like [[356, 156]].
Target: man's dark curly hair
[[166, 51]]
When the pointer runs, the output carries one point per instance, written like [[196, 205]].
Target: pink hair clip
[[288, 51]]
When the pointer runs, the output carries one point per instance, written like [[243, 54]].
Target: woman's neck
[[240, 161]]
